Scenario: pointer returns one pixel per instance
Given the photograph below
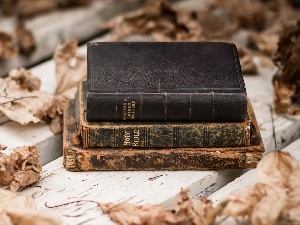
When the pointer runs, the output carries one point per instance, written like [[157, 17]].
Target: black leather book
[[176, 81]]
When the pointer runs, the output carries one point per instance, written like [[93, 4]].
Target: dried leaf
[[72, 3], [246, 60], [127, 214], [287, 79], [8, 49], [25, 79], [23, 102], [31, 8], [265, 43], [70, 71], [214, 25], [185, 211], [2, 147], [20, 168], [159, 20], [25, 39], [70, 68], [16, 209], [250, 14], [275, 198]]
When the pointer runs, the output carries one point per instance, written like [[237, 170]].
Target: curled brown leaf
[[25, 38], [158, 19], [274, 198], [16, 209], [21, 100], [8, 49], [20, 168], [2, 147], [266, 43], [246, 60], [71, 68], [185, 211], [287, 79]]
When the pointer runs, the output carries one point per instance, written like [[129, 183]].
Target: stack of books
[[161, 106]]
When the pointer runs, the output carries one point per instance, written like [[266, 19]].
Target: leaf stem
[[16, 99]]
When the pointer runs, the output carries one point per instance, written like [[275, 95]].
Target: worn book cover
[[77, 158], [155, 134], [175, 81]]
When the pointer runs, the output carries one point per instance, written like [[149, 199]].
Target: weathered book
[[155, 134], [176, 81], [77, 158]]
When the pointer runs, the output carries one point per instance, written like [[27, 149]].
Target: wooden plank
[[59, 186], [250, 176], [56, 27]]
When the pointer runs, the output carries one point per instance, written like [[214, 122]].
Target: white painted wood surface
[[59, 186]]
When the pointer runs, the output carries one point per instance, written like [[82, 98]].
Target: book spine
[[212, 106], [112, 135], [87, 160]]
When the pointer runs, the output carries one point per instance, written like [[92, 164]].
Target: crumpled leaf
[[185, 211], [8, 49], [27, 8], [2, 147], [16, 209], [21, 99], [31, 8], [71, 69], [266, 43], [287, 79], [26, 40], [246, 60], [159, 20], [274, 198], [72, 3], [20, 168], [253, 14]]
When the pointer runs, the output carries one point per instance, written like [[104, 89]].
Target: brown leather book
[[76, 158]]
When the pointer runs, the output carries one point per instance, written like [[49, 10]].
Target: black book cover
[[176, 81]]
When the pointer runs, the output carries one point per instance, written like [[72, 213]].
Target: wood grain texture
[[59, 186]]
